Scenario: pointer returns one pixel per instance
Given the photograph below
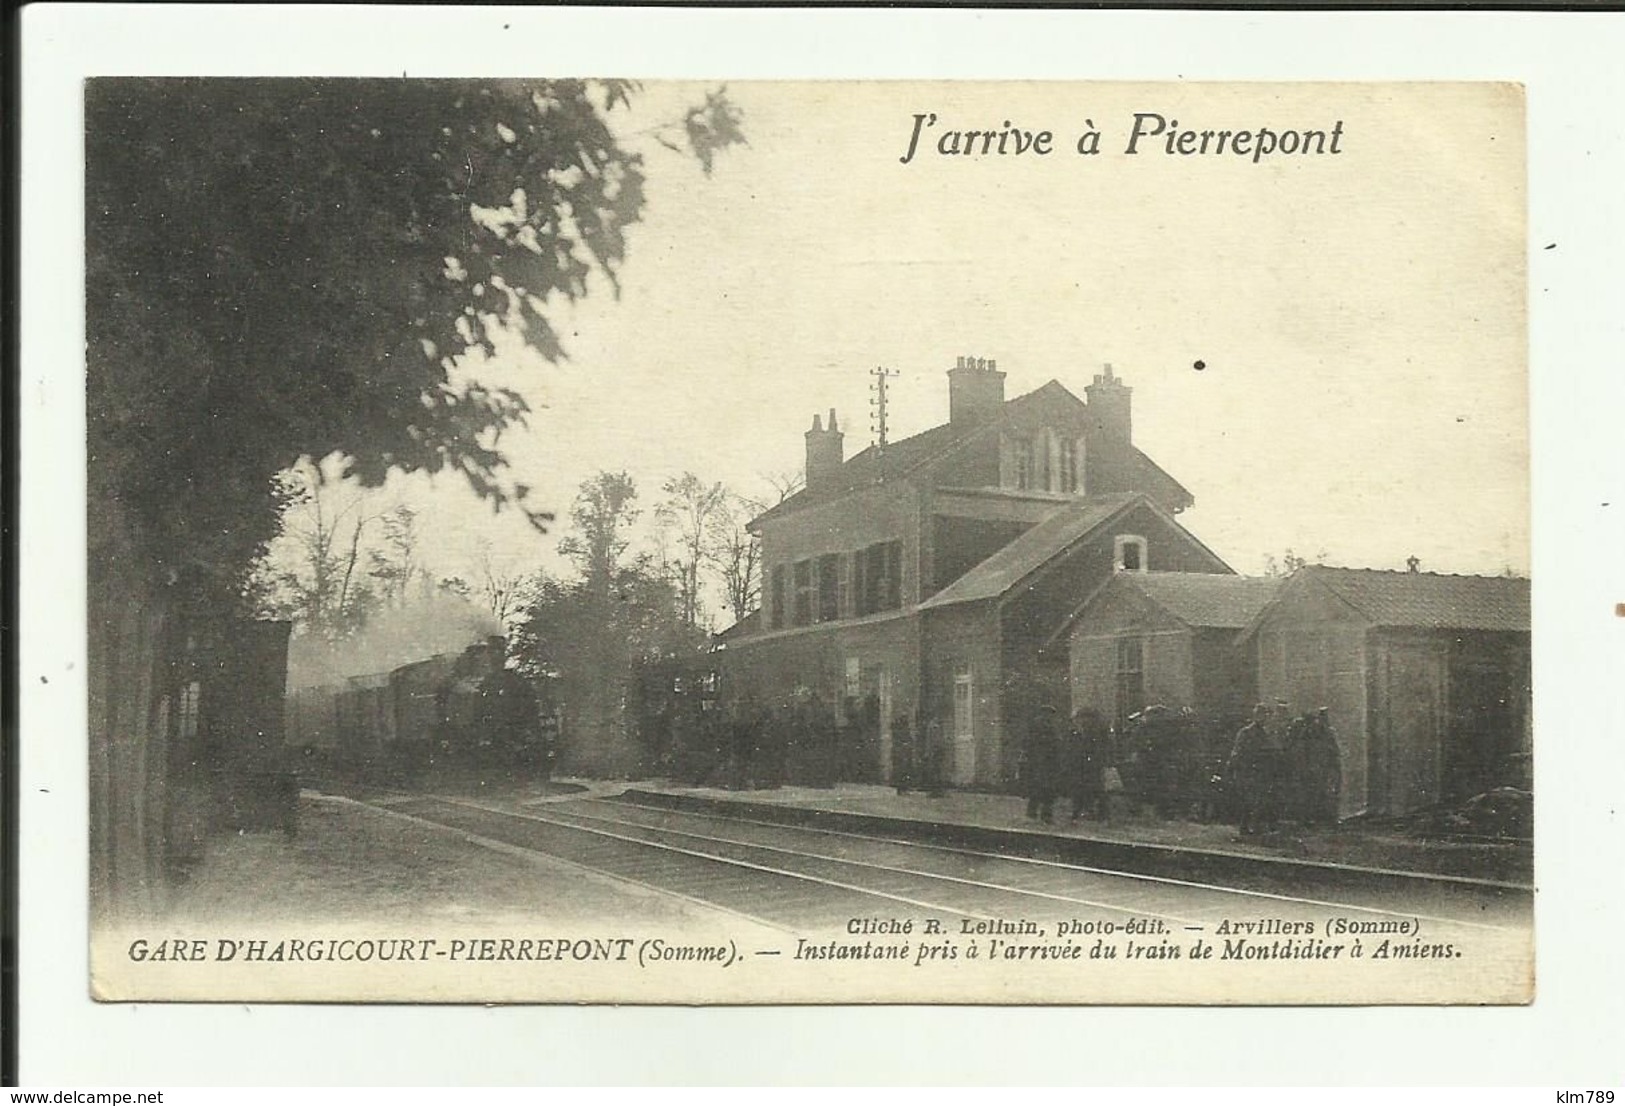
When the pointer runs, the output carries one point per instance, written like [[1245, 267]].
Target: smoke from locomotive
[[460, 708]]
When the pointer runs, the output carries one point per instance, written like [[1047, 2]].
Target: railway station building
[[1026, 553], [921, 584]]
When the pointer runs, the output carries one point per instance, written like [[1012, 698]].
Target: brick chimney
[[975, 391], [1109, 411], [824, 452]]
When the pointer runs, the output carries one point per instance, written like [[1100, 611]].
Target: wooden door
[[964, 752], [1412, 709]]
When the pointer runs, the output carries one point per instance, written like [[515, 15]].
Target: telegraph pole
[[877, 418]]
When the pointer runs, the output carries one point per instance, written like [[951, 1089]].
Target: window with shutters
[[884, 576], [877, 578], [775, 607], [805, 589], [874, 578], [829, 588]]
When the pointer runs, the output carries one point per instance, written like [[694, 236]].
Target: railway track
[[809, 879]]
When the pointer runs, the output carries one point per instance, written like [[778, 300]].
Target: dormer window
[[1068, 466], [1025, 475], [1129, 554]]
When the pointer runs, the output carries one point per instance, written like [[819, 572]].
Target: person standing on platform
[[1158, 780], [1325, 769], [1190, 781], [1277, 765], [1255, 762], [1041, 769], [1090, 737], [1296, 799]]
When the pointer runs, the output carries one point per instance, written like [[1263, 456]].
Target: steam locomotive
[[454, 709]]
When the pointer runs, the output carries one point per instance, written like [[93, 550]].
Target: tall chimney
[[1108, 400], [824, 452], [975, 391]]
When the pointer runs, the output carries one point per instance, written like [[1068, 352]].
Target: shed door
[[964, 768], [1412, 717], [1482, 730]]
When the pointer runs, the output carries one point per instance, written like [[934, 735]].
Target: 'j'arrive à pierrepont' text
[[1149, 133]]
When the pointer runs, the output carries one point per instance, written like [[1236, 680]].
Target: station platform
[[1350, 852]]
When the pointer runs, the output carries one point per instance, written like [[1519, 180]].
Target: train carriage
[[454, 708], [365, 721], [419, 693]]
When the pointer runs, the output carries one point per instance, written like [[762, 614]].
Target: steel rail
[[522, 852], [712, 857], [911, 872], [1063, 865]]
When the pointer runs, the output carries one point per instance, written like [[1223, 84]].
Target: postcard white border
[[1577, 152]]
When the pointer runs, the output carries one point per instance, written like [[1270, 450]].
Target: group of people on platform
[[1275, 768], [804, 739], [1167, 762], [749, 743]]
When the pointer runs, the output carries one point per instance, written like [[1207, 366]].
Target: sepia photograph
[[678, 542]]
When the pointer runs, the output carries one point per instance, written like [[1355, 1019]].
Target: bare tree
[[503, 592], [318, 588], [692, 509], [397, 563], [784, 485], [734, 554]]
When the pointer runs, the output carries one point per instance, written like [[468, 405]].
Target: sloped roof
[[750, 624], [871, 465], [1429, 600], [1204, 599], [1147, 473], [1011, 564]]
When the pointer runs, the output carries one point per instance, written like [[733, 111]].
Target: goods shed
[[1425, 676]]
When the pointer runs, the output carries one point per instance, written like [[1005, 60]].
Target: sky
[[1360, 317], [1569, 62]]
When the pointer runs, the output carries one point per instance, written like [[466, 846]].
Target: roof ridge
[[1408, 572], [1004, 406], [1388, 597], [1187, 572], [1107, 506], [1345, 598], [1210, 599], [939, 441]]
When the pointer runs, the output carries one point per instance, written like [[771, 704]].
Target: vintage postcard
[[612, 541]]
